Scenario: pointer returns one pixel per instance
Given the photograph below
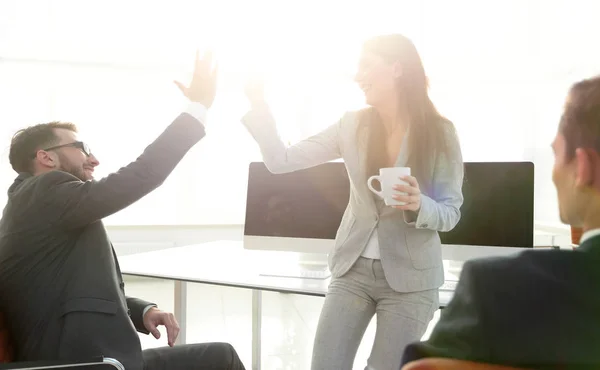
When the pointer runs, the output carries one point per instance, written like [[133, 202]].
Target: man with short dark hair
[[26, 141], [61, 288], [540, 309]]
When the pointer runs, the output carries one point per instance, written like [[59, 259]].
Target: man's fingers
[[199, 68], [181, 87], [208, 60], [174, 320], [155, 333], [215, 72], [204, 64], [198, 60], [202, 88], [172, 329]]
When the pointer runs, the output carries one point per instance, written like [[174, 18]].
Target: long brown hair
[[426, 126]]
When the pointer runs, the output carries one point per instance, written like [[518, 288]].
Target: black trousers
[[201, 356]]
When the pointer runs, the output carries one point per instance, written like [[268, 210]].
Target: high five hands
[[203, 87]]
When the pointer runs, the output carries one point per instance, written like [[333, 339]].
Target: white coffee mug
[[388, 178]]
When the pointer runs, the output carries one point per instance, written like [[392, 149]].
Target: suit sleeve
[[136, 308], [73, 203], [460, 333], [317, 149]]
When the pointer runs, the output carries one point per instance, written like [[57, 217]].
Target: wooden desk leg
[[256, 328], [181, 310]]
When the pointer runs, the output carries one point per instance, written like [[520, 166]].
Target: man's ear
[[594, 159], [46, 159], [397, 70], [586, 162]]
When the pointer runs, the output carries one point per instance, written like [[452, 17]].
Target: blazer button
[[129, 312]]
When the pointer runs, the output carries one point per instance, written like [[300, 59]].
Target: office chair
[[452, 364], [6, 349], [7, 358], [96, 363]]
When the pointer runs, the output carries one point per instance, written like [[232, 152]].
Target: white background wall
[[499, 69]]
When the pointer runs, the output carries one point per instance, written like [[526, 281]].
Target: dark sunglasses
[[77, 144]]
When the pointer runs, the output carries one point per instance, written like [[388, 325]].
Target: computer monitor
[[497, 211], [297, 211], [301, 211]]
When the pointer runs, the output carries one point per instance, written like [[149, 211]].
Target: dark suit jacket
[[60, 282], [540, 309]]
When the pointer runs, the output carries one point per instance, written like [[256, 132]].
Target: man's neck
[[591, 226], [591, 221], [41, 170]]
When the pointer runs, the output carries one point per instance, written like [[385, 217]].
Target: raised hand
[[255, 90], [203, 87]]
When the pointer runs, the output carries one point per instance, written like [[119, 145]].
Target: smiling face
[[74, 159], [68, 155], [51, 146], [377, 78]]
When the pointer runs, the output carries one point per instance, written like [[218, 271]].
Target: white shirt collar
[[589, 234]]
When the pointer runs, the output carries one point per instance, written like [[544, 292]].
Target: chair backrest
[[6, 347], [94, 363], [452, 364]]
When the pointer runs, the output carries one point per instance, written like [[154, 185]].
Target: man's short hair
[[580, 122], [26, 142]]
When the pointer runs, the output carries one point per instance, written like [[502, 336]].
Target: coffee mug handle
[[370, 185]]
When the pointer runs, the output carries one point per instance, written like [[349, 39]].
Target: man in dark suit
[[60, 283], [540, 309]]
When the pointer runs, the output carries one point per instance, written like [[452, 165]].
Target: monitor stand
[[305, 266]]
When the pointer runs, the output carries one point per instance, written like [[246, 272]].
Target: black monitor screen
[[303, 204], [498, 206], [497, 210]]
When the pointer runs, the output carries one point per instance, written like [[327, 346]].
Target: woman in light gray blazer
[[386, 260]]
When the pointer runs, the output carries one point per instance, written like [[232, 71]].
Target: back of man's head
[[576, 172], [580, 123], [26, 142]]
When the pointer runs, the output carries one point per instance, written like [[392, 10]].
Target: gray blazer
[[410, 246]]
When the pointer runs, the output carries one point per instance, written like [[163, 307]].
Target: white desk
[[225, 263]]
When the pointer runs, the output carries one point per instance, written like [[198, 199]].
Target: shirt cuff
[[198, 111], [146, 309], [420, 219]]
